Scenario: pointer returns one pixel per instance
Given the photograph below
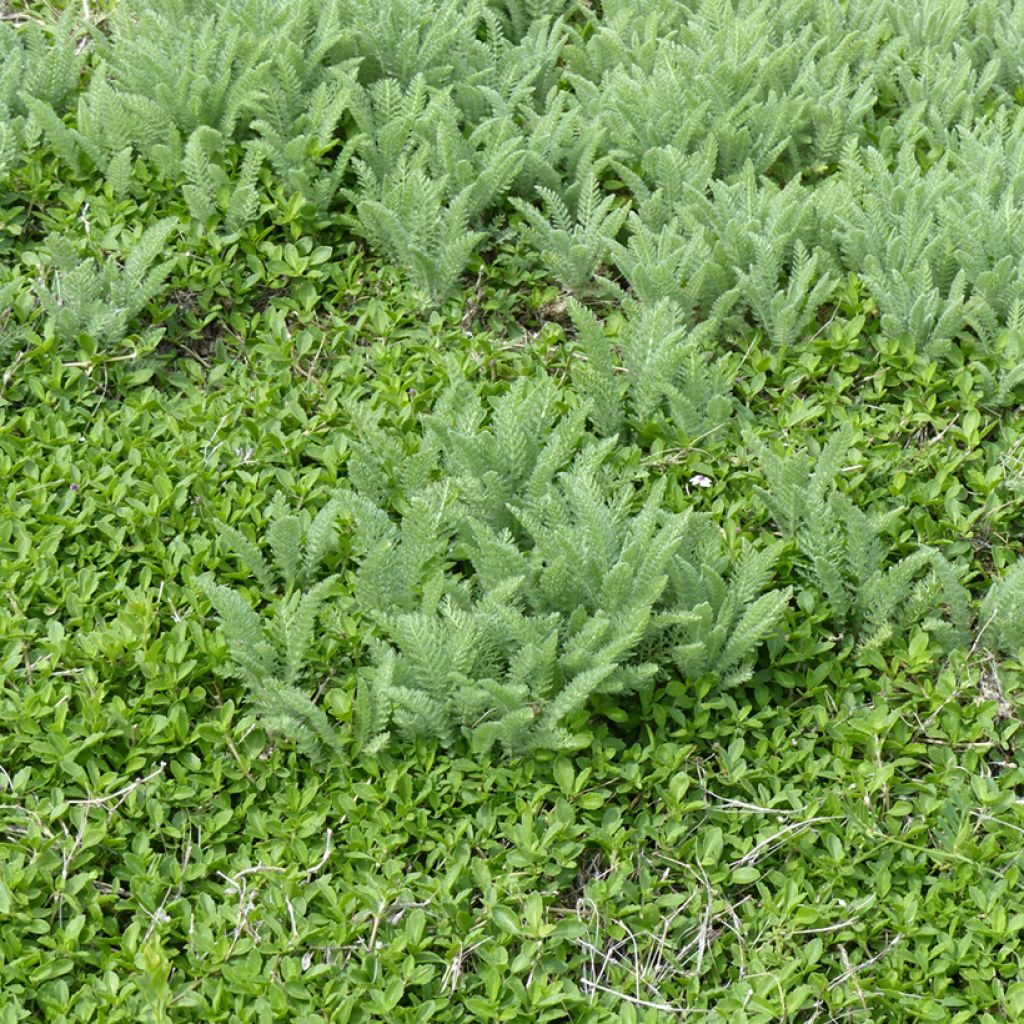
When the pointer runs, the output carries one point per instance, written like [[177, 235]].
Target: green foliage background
[[511, 511]]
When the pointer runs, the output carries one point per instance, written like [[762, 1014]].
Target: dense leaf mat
[[511, 511]]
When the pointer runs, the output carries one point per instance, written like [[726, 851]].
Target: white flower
[[699, 480]]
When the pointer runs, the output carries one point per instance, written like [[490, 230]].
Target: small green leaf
[[711, 845], [506, 920]]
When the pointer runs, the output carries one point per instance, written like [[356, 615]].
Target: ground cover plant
[[511, 511]]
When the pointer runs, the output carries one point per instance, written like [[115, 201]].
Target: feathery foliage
[[269, 653], [511, 580], [95, 306], [1001, 616], [846, 557], [36, 67], [653, 371], [574, 232], [594, 599]]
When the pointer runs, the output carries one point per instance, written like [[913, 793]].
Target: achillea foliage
[[95, 305], [269, 652], [844, 557], [517, 581]]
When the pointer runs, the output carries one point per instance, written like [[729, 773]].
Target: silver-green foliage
[[95, 305], [574, 231], [712, 122], [269, 652], [409, 219], [169, 68], [590, 597], [1001, 616], [209, 191], [37, 66], [565, 583], [868, 593], [1008, 350], [186, 64], [508, 455], [769, 83], [507, 576], [939, 248], [425, 180], [651, 371], [721, 251]]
